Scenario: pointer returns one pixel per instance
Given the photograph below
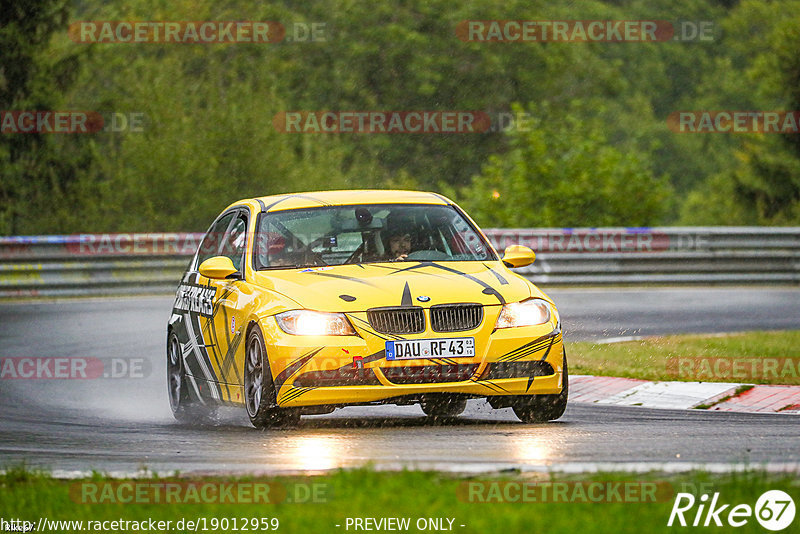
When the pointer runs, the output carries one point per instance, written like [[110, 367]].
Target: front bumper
[[339, 370]]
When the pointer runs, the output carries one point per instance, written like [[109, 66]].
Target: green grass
[[365, 493], [763, 358]]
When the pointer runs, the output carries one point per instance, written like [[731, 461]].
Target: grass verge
[[570, 504], [749, 357]]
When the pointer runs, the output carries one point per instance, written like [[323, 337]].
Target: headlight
[[312, 323], [526, 313]]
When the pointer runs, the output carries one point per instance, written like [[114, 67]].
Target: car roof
[[317, 199]]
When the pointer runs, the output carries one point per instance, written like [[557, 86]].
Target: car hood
[[353, 288]]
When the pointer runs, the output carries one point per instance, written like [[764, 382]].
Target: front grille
[[456, 317], [429, 374], [409, 320]]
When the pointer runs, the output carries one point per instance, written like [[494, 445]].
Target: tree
[[35, 168], [761, 184], [561, 171]]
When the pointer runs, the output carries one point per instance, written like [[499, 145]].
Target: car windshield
[[339, 235]]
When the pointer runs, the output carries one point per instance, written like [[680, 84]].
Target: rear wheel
[[543, 408], [184, 408], [443, 405], [259, 389]]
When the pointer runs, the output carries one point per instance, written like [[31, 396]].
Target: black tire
[[443, 405], [543, 408], [259, 390], [184, 408]]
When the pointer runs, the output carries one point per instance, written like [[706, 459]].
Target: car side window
[[233, 246], [212, 240]]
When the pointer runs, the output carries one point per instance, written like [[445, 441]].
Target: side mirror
[[218, 268], [518, 256]]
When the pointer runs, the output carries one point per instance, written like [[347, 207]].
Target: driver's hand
[[401, 257]]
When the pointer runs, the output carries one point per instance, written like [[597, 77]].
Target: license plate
[[457, 347]]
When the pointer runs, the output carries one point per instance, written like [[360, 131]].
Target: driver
[[399, 243], [276, 250]]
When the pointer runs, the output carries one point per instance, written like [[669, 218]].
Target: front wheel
[[259, 390], [543, 408]]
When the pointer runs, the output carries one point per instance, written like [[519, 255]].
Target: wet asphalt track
[[121, 425]]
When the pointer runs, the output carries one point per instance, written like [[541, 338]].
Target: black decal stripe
[[201, 339], [440, 197], [406, 301], [214, 352], [365, 326], [223, 379], [389, 267], [552, 341], [229, 360], [275, 203], [418, 266], [495, 385], [314, 199], [550, 346], [530, 383], [215, 309], [342, 277], [489, 290], [287, 197], [526, 348], [381, 354], [527, 352], [211, 381], [490, 385], [195, 368], [293, 367], [295, 393], [500, 278], [522, 352]]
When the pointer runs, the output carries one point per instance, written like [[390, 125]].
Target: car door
[[194, 312], [228, 318]]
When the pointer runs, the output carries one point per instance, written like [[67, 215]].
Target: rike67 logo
[[774, 510]]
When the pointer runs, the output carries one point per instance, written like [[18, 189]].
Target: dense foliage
[[596, 149]]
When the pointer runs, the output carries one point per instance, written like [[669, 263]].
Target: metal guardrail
[[667, 255], [153, 263]]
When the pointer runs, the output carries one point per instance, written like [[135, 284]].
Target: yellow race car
[[301, 303]]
